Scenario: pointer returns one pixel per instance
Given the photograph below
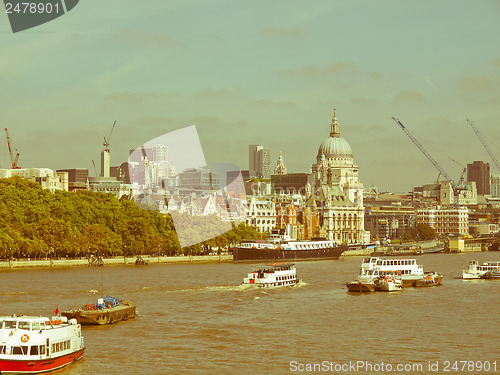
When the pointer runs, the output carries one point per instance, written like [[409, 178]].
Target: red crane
[[13, 159]]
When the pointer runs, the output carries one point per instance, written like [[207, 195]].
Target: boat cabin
[[402, 266]]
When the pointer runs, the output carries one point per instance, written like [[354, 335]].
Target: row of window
[[397, 262], [24, 350], [288, 277], [59, 346]]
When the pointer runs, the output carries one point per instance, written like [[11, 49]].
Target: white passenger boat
[[389, 283], [30, 345], [477, 271], [272, 275], [410, 271]]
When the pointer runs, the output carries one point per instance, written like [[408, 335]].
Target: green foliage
[[37, 223], [421, 232]]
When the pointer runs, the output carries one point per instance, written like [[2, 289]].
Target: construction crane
[[455, 187], [13, 159], [483, 141], [106, 141], [95, 169]]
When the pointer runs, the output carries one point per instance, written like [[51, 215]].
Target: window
[[11, 324], [24, 325], [20, 350], [2, 349], [34, 350], [41, 349]]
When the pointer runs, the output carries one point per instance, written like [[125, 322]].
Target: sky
[[258, 72]]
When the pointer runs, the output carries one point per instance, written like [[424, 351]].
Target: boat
[[272, 275], [358, 286], [365, 282], [493, 274], [30, 344], [389, 283], [398, 251], [409, 270], [140, 261], [438, 248], [107, 310], [429, 279], [477, 271], [251, 250]]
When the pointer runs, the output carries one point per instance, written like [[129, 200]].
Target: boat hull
[[124, 311], [360, 287], [273, 284], [388, 284], [245, 254], [38, 366]]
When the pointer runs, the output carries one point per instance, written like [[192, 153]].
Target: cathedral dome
[[334, 146]]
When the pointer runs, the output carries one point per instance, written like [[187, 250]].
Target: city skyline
[[258, 73]]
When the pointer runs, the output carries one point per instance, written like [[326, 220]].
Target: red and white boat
[[30, 345], [273, 275]]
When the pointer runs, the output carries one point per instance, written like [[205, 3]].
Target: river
[[199, 319]]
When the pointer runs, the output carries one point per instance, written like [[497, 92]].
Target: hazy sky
[[258, 72]]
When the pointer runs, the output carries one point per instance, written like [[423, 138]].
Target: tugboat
[[30, 345], [273, 275], [107, 310]]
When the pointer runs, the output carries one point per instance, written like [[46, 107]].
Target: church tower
[[280, 166], [337, 190]]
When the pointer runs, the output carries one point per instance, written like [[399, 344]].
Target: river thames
[[199, 319]]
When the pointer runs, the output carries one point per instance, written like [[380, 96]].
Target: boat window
[[20, 350], [35, 326], [23, 325], [2, 349], [41, 349], [34, 350], [11, 324]]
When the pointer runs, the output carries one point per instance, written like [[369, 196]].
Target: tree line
[[36, 223]]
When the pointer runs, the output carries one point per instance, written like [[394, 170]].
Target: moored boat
[[429, 279], [477, 271], [364, 283], [407, 268], [107, 310], [251, 250], [30, 345], [493, 274], [389, 283], [358, 286], [273, 275]]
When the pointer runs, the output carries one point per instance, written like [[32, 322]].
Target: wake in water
[[226, 288], [13, 293]]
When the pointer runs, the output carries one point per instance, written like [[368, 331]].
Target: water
[[198, 318]]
